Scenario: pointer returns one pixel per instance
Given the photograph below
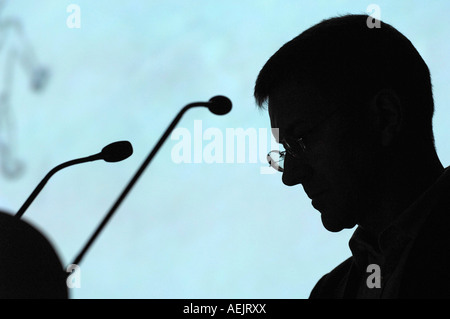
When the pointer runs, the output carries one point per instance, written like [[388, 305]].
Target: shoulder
[[427, 271], [332, 285]]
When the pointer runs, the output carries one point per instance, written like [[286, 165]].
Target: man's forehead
[[305, 99], [301, 105]]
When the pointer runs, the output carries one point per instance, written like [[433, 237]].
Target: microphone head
[[219, 105], [117, 151]]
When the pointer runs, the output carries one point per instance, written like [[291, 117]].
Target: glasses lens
[[276, 160], [294, 147]]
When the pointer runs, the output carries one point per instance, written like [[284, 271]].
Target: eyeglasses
[[294, 147]]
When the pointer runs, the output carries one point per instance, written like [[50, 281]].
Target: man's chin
[[336, 225]]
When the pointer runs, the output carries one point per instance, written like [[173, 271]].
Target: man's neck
[[400, 187]]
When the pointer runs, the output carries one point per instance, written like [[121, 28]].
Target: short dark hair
[[348, 62]]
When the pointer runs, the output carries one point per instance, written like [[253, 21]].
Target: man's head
[[361, 98]]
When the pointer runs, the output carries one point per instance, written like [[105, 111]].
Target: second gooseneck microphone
[[114, 152], [219, 105]]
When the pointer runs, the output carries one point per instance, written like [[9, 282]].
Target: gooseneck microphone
[[218, 105], [114, 152]]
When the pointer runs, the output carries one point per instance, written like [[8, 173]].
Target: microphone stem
[[134, 180], [44, 181]]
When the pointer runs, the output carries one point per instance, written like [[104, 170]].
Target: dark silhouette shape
[[29, 266], [353, 106]]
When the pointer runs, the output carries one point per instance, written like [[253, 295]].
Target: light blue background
[[185, 230]]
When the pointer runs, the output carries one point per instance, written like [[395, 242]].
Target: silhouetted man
[[352, 105]]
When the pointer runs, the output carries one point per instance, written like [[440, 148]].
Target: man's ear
[[386, 113]]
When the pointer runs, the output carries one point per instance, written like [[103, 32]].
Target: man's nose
[[296, 171]]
